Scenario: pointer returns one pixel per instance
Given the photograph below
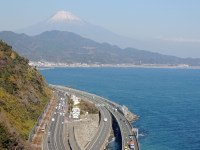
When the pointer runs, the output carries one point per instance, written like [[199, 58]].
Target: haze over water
[[167, 100]]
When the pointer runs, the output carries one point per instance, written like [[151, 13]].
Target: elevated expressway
[[106, 106]]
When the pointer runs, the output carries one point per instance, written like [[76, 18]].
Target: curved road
[[104, 131]]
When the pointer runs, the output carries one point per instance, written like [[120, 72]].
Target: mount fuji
[[66, 21]]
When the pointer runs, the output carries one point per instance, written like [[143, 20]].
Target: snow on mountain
[[63, 16]]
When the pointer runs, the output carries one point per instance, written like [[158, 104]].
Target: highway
[[125, 126], [55, 139], [106, 107]]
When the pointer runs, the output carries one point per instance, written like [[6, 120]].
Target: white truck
[[105, 119]]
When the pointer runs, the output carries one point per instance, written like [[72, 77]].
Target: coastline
[[48, 65]]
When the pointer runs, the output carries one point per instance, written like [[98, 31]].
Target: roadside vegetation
[[87, 106], [84, 105]]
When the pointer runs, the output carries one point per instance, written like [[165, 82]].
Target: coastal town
[[45, 64]]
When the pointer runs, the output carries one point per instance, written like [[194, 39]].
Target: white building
[[76, 112], [75, 116], [75, 99]]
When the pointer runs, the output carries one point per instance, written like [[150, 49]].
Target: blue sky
[[165, 26]]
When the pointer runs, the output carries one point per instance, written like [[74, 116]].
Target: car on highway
[[130, 136], [126, 148]]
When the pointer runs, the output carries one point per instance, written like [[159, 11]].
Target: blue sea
[[167, 100]]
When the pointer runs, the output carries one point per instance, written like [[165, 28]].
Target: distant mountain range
[[67, 47], [66, 21]]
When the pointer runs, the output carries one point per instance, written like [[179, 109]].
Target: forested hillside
[[23, 95], [67, 47]]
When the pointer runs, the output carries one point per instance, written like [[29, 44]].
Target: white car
[[53, 119]]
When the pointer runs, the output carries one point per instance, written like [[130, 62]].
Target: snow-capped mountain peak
[[63, 16], [66, 21]]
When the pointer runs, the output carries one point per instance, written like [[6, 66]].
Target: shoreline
[[118, 66], [51, 65]]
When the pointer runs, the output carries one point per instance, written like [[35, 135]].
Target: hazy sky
[[165, 26]]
